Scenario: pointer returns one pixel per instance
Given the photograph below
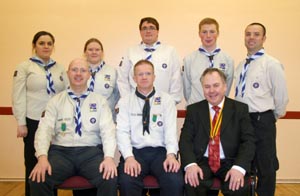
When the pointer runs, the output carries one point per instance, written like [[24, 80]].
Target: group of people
[[73, 121]]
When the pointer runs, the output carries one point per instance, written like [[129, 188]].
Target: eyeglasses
[[151, 28]]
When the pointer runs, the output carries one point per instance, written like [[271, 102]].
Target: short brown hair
[[209, 21], [140, 62], [149, 20]]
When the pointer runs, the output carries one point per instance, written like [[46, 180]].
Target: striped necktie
[[50, 83], [242, 78], [77, 110], [214, 142], [150, 50], [210, 55], [93, 73]]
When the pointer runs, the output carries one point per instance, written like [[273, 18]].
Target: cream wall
[[115, 23]]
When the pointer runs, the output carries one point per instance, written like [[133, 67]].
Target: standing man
[[76, 136], [164, 58], [147, 137], [208, 55], [261, 84], [217, 140]]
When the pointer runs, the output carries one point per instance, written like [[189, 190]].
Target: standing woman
[[103, 81], [103, 77], [35, 81]]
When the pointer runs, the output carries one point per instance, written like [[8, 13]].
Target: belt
[[258, 115]]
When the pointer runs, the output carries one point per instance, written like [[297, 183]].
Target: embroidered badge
[[164, 65], [154, 117], [160, 123], [157, 101], [255, 84], [121, 62], [222, 66], [106, 85], [107, 77], [93, 107], [63, 126], [93, 120]]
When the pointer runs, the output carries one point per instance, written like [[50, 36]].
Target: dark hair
[[210, 70], [140, 62], [259, 24], [39, 34], [149, 20], [90, 41]]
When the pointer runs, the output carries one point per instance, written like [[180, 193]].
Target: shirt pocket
[[156, 120], [258, 84]]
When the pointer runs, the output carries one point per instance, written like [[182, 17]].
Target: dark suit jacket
[[237, 134]]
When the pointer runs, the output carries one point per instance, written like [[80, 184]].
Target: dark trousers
[[29, 151], [151, 160], [265, 160], [69, 161], [207, 182]]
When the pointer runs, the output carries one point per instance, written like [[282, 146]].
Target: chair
[[79, 182], [75, 183], [150, 183]]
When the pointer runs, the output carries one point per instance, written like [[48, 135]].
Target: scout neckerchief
[[93, 73], [242, 79], [50, 83], [149, 50], [77, 110], [210, 55], [146, 109]]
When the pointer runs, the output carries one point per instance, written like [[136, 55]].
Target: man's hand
[[132, 167], [22, 131], [171, 164], [192, 175], [39, 171], [108, 167], [236, 179]]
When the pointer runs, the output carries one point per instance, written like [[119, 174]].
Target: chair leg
[[252, 185], [148, 193]]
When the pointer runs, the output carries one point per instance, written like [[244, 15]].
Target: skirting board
[[287, 181], [279, 181]]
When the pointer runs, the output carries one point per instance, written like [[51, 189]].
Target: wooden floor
[[17, 189]]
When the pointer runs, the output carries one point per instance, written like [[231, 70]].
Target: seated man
[[76, 136], [147, 137], [217, 140]]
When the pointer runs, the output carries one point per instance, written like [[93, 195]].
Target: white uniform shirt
[[162, 125], [58, 124], [166, 67], [106, 85], [266, 87], [194, 65], [29, 93]]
